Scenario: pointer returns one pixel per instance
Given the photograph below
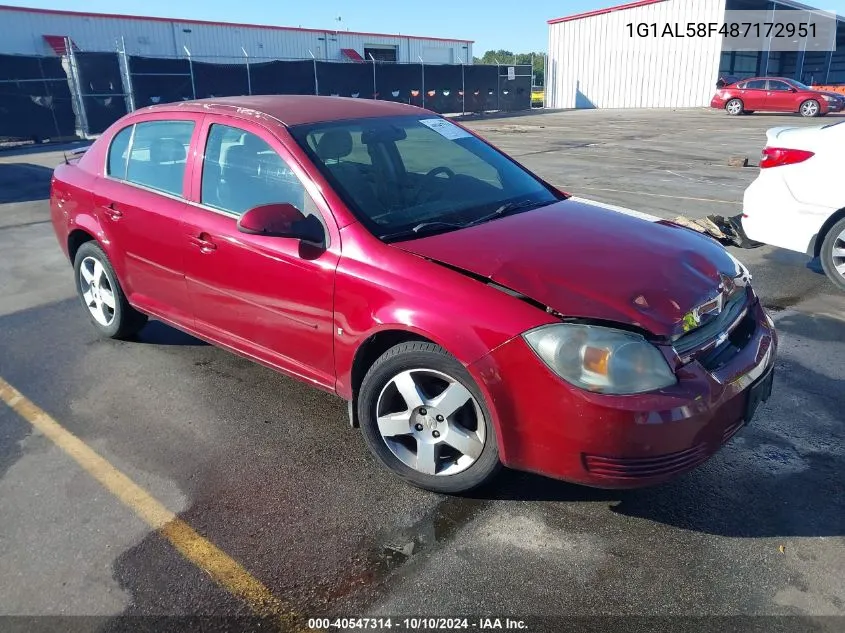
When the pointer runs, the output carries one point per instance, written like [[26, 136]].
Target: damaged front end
[[727, 231]]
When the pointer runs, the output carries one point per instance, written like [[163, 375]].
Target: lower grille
[[645, 467]]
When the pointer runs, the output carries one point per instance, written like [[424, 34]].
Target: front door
[[269, 297], [140, 202]]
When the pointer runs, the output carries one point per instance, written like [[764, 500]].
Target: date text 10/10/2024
[[417, 624], [732, 29]]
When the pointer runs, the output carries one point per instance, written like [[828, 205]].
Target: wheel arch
[[825, 229], [76, 239], [369, 350]]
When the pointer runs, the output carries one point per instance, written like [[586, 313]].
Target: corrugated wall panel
[[593, 62], [23, 35]]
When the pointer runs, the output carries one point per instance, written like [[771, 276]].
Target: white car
[[798, 200]]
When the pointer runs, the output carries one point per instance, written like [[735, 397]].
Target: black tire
[[826, 254], [806, 112], [126, 320], [732, 110], [420, 355]]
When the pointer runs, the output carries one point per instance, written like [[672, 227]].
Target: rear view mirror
[[281, 220], [383, 134]]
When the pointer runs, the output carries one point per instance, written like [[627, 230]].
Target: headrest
[[167, 150], [334, 144]]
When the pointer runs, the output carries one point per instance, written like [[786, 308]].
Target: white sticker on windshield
[[446, 128]]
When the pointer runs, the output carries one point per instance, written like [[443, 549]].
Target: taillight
[[778, 157]]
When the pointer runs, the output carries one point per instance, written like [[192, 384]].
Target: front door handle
[[204, 242], [112, 211]]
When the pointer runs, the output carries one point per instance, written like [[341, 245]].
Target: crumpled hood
[[586, 261]]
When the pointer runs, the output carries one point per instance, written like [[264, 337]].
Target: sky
[[492, 24]]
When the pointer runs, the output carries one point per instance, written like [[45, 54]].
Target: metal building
[[594, 63], [29, 31]]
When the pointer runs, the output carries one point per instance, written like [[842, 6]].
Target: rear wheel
[[810, 108], [734, 107], [102, 296], [833, 254], [424, 417]]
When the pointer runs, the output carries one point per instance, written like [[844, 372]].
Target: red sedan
[[776, 94], [470, 313]]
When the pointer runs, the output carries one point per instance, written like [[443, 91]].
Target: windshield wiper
[[508, 207], [421, 227]]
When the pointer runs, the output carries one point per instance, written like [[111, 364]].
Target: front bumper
[[549, 427], [718, 103]]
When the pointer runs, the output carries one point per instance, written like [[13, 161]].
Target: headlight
[[601, 359], [828, 98]]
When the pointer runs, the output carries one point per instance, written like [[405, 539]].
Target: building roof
[[295, 109], [643, 3], [120, 16], [619, 7]]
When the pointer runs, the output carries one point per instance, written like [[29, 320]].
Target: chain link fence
[[83, 93]]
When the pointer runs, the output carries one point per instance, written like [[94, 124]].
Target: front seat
[[333, 146]]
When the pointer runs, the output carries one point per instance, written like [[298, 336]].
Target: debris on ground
[[727, 231], [738, 161]]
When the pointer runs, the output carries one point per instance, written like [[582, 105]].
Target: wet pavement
[[268, 470]]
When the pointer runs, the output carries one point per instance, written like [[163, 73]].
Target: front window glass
[[241, 171], [418, 174]]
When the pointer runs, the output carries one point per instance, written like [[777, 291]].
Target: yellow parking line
[[200, 551], [659, 195]]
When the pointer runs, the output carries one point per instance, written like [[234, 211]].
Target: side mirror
[[282, 220], [793, 89]]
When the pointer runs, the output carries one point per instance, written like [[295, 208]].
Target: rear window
[[158, 155], [119, 153], [758, 84]]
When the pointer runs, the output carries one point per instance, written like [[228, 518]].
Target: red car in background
[[470, 313], [776, 94]]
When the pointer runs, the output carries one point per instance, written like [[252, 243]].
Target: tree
[[503, 57]]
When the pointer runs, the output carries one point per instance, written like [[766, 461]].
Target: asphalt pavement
[[268, 471]]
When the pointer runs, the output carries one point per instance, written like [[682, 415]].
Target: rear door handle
[[204, 242], [113, 212]]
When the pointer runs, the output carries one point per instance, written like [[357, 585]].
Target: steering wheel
[[423, 188]]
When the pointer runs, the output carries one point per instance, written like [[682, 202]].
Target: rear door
[[781, 97], [753, 94], [271, 298], [140, 202]]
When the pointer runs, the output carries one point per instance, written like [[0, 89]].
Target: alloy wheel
[[431, 422], [838, 254], [810, 109], [97, 291], [735, 107]]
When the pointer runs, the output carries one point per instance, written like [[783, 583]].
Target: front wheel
[[833, 254], [424, 417], [102, 296], [810, 108], [735, 107]]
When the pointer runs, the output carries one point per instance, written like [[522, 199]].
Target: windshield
[[413, 175], [799, 85]]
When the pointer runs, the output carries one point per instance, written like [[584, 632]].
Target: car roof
[[294, 109], [786, 79]]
